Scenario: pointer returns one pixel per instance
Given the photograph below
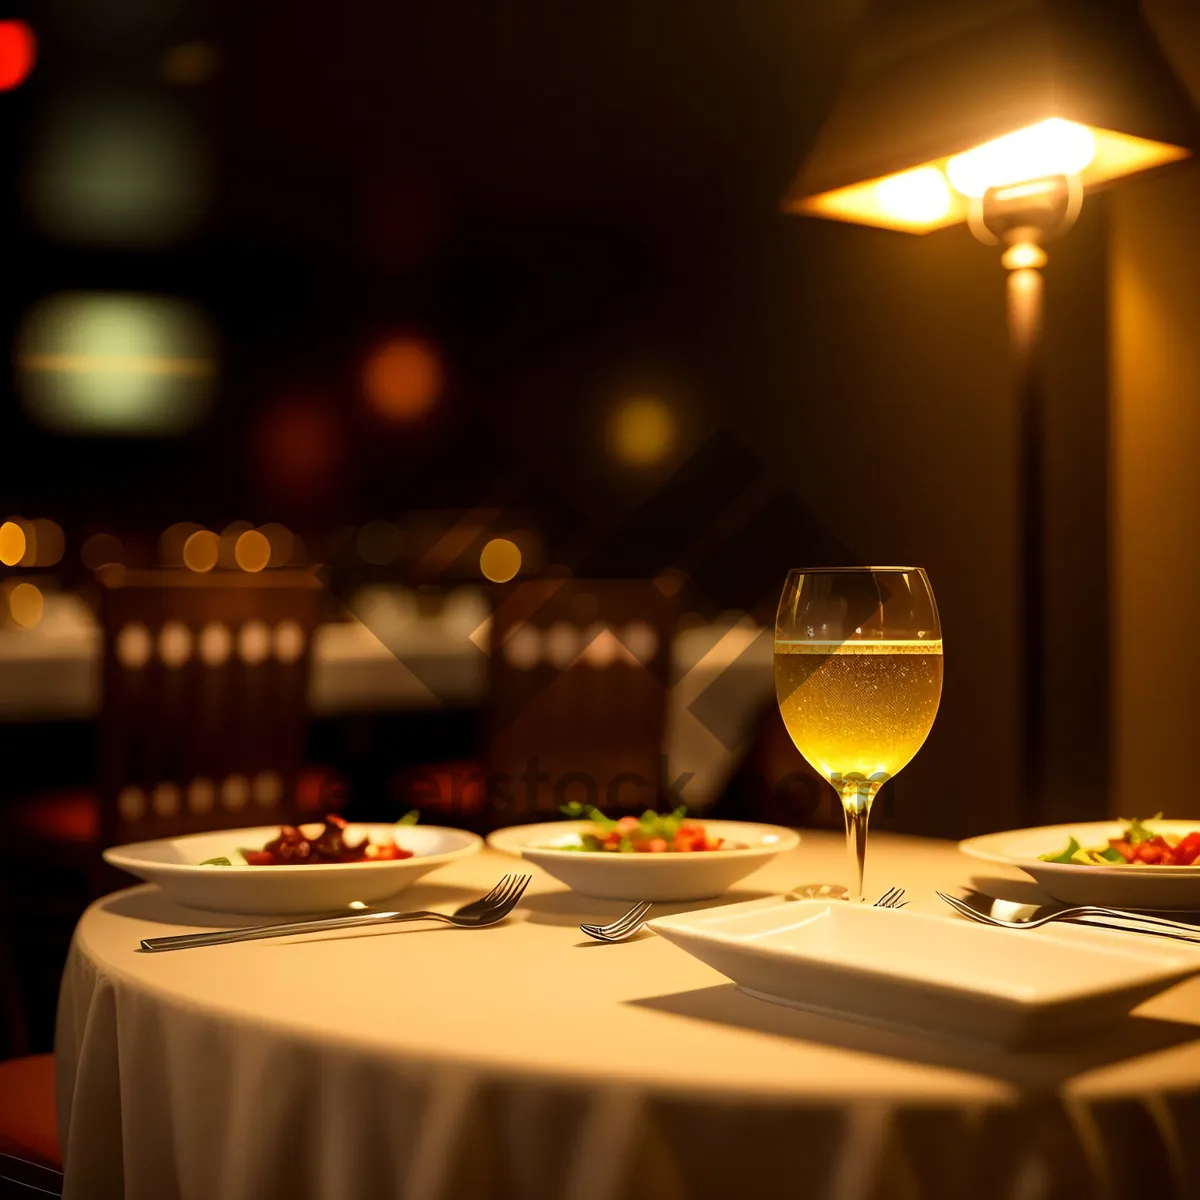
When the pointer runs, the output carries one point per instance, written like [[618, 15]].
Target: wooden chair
[[202, 725], [575, 707], [203, 713]]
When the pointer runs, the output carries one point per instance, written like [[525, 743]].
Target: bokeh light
[[200, 551], [25, 605], [106, 363], [402, 378], [190, 64], [642, 430], [29, 558], [45, 543], [282, 542], [378, 543], [101, 550], [12, 543], [500, 560], [227, 554], [18, 52], [172, 540], [252, 551], [117, 171]]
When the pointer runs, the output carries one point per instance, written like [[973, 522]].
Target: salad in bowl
[[665, 857]]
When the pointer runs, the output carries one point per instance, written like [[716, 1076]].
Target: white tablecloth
[[525, 1061]]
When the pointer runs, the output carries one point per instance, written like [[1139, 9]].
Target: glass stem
[[857, 797]]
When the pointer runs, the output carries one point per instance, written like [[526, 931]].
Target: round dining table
[[526, 1060]]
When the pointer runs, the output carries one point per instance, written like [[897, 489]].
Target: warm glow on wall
[[190, 64], [642, 430], [500, 560], [402, 379], [935, 194]]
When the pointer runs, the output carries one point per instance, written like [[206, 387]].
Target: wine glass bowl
[[858, 678]]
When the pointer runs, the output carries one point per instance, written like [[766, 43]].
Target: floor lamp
[[1002, 115]]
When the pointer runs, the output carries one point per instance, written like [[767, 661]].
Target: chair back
[[576, 703], [204, 699]]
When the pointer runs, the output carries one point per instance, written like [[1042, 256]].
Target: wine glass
[[858, 677]]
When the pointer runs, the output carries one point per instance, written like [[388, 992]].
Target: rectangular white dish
[[940, 975]]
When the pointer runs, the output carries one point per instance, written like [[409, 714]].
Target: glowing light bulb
[[919, 196], [1053, 147]]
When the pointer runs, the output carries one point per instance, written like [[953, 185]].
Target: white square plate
[[939, 975]]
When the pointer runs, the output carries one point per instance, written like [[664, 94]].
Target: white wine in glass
[[858, 677]]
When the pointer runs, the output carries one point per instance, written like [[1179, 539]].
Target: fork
[[1088, 914], [624, 927], [892, 898], [488, 910]]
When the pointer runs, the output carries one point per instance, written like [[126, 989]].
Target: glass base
[[819, 891]]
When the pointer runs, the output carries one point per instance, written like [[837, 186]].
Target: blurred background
[[430, 302]]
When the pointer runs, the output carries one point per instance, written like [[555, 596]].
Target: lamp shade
[[941, 100]]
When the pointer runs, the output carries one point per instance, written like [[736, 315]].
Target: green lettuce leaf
[[1063, 856]]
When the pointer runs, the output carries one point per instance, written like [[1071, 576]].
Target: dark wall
[[576, 201]]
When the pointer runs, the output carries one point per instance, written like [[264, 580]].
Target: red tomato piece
[[1148, 852], [1185, 854], [258, 858], [1122, 847]]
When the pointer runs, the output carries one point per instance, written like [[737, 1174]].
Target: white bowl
[[1123, 886], [940, 975], [173, 864], [667, 877]]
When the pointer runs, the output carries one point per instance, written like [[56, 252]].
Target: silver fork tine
[[963, 910], [622, 927], [626, 921], [515, 891], [497, 889], [484, 903], [630, 919]]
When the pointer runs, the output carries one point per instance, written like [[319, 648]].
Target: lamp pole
[[1025, 297], [1023, 217]]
